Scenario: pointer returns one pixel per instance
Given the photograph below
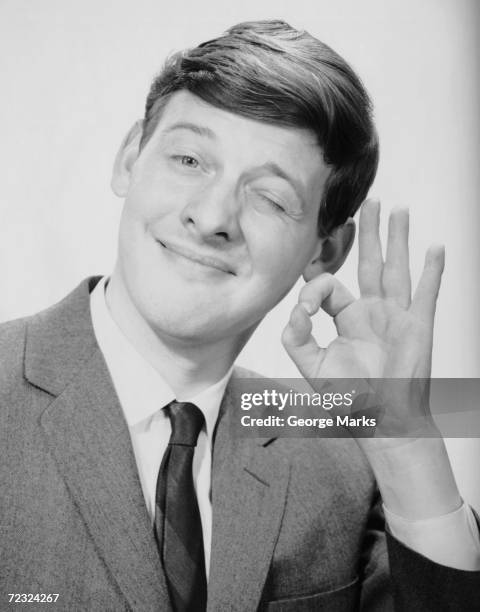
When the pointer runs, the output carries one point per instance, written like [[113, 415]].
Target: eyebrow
[[201, 130]]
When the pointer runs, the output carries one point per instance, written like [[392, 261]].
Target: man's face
[[219, 221]]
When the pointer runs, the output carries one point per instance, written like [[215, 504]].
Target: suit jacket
[[296, 523]]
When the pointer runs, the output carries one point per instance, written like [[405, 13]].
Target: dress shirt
[[143, 394], [452, 540]]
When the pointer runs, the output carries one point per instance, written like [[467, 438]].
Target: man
[[122, 484]]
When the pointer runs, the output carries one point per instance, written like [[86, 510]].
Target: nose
[[212, 214]]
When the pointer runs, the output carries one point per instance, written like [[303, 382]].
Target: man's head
[[255, 150]]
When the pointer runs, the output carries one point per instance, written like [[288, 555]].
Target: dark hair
[[268, 71]]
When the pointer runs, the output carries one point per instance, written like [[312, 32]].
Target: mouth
[[207, 261]]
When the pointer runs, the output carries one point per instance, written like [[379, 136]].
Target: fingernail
[[308, 307]]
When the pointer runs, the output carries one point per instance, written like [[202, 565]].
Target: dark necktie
[[178, 528]]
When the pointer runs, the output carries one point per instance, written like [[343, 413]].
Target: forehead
[[249, 140]]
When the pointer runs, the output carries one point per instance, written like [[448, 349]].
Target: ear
[[125, 159], [331, 252]]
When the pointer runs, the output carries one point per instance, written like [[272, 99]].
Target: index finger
[[327, 292]]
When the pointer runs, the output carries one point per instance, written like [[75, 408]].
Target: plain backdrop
[[74, 76]]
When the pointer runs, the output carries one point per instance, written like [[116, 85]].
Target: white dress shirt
[[451, 540]]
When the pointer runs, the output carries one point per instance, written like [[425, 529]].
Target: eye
[[187, 160], [273, 203]]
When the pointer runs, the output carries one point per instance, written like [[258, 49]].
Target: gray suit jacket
[[296, 523]]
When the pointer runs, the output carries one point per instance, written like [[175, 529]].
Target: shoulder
[[12, 349], [39, 342], [15, 393]]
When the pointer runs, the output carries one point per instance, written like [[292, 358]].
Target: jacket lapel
[[87, 436], [249, 487], [90, 442]]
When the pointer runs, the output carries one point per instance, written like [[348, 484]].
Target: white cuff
[[451, 539]]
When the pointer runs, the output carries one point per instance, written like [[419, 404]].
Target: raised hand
[[382, 335]]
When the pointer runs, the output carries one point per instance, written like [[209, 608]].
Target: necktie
[[178, 528]]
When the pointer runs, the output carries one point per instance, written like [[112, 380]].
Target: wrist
[[415, 477]]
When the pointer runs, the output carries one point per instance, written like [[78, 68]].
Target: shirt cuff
[[451, 539]]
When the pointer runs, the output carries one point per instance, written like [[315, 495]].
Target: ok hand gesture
[[384, 334]]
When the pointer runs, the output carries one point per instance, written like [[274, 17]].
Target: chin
[[190, 332], [201, 325]]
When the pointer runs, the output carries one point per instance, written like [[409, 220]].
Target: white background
[[74, 76]]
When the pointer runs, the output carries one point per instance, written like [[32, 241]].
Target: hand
[[384, 334]]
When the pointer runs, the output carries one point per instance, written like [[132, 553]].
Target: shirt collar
[[141, 389]]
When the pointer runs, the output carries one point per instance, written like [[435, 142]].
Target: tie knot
[[187, 420]]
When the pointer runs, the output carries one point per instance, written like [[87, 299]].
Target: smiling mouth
[[205, 260]]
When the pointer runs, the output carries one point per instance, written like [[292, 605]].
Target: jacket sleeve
[[421, 584], [396, 578]]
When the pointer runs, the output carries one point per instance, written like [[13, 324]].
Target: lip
[[208, 261]]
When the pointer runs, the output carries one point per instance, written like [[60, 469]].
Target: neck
[[188, 367]]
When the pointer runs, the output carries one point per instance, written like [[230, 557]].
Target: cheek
[[152, 193], [280, 257], [143, 207]]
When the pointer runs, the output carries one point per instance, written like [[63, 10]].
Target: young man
[[255, 152]]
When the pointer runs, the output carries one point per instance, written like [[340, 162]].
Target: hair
[[271, 72]]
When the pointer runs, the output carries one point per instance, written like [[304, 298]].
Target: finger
[[425, 298], [300, 344], [370, 261], [327, 292], [396, 271]]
